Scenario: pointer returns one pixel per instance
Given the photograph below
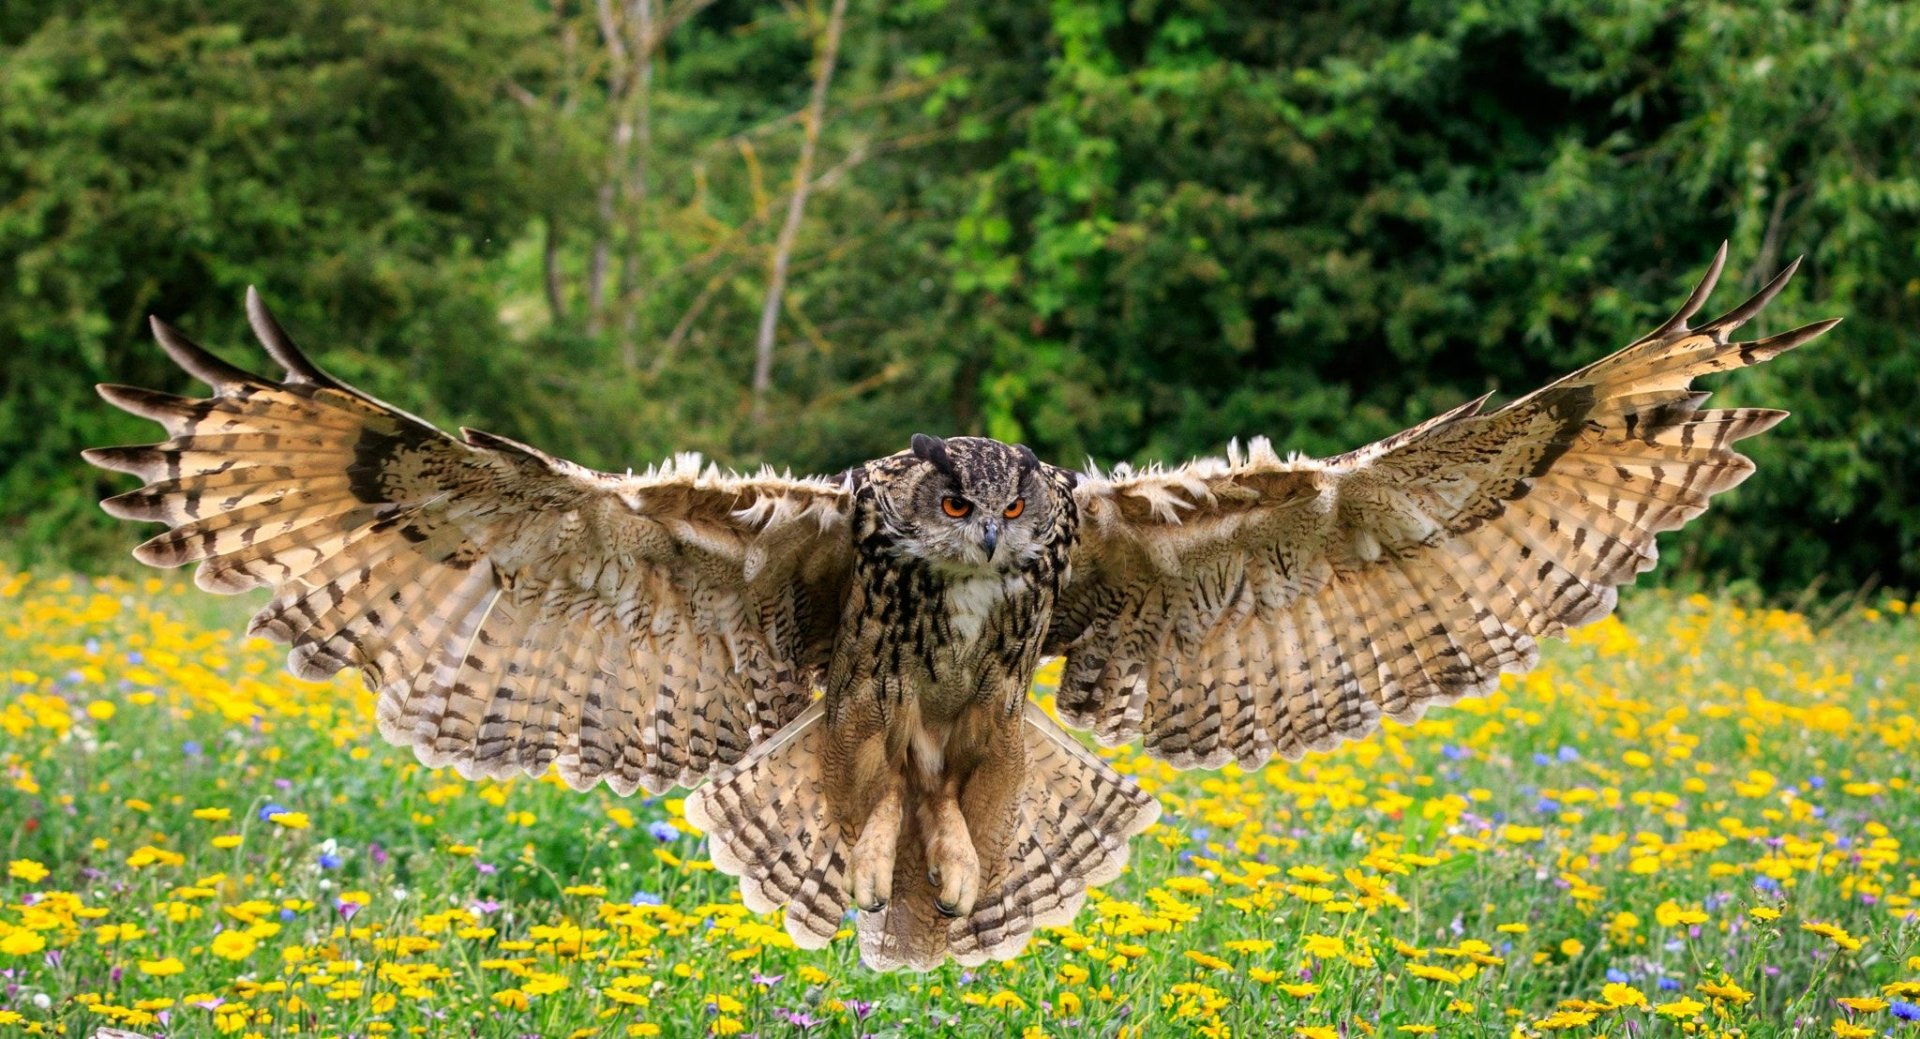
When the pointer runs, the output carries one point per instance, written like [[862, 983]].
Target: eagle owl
[[844, 662]]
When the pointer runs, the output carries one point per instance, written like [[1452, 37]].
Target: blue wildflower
[[661, 830]]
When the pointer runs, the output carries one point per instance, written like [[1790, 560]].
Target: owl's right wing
[[1232, 609], [512, 610]]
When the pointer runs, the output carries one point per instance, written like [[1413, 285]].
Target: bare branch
[[550, 265], [796, 207]]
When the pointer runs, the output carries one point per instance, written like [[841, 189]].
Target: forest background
[[797, 232]]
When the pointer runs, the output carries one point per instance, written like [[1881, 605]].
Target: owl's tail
[[1072, 824], [767, 823]]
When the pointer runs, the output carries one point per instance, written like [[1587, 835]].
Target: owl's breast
[[944, 640]]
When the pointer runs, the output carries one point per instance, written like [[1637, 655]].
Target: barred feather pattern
[[1069, 832], [1233, 609], [768, 823], [514, 611]]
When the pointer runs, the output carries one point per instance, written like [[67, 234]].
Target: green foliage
[[1130, 230]]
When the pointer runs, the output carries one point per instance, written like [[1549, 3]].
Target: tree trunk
[[619, 87], [634, 196], [796, 207]]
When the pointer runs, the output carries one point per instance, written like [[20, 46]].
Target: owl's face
[[968, 504]]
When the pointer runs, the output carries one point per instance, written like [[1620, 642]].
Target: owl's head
[[968, 503]]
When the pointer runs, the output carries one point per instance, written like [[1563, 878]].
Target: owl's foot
[[873, 853], [953, 867]]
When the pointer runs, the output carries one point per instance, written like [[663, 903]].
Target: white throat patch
[[971, 599]]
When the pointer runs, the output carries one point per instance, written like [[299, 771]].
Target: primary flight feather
[[516, 612]]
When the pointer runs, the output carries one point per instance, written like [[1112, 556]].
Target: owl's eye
[[1013, 511], [958, 508]]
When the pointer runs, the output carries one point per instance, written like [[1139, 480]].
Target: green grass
[[1636, 810]]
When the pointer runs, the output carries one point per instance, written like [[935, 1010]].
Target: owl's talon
[[873, 853], [953, 868]]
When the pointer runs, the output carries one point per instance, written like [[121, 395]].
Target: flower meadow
[[1699, 820]]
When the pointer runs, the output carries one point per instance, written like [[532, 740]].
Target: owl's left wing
[[1232, 609], [512, 610]]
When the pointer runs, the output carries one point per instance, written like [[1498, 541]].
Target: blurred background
[[797, 232]]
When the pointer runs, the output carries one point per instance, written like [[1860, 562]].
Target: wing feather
[[512, 610], [1230, 609]]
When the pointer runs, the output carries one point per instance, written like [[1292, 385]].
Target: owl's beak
[[989, 537]]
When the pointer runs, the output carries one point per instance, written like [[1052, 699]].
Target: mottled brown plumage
[[516, 612]]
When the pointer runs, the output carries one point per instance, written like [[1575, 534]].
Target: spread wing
[[1232, 609], [512, 610]]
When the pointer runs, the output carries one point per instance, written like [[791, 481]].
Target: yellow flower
[[1679, 1008], [1863, 1004], [290, 820], [724, 1025], [213, 815], [233, 945], [1834, 933], [1006, 1000], [1325, 947], [1725, 989], [22, 943], [1572, 947], [542, 984], [1620, 995], [1315, 1032], [226, 841], [1850, 1031], [1432, 973], [28, 870], [511, 998], [101, 710], [643, 1030], [162, 968], [1301, 990], [1209, 962], [1764, 914]]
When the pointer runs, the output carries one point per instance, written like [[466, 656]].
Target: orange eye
[[1013, 511], [955, 507]]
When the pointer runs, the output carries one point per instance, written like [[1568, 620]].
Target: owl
[[841, 666]]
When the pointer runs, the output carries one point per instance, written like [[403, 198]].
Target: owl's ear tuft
[[933, 451], [1028, 460]]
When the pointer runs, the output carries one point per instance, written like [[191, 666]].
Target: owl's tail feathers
[[1073, 822], [767, 823]]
